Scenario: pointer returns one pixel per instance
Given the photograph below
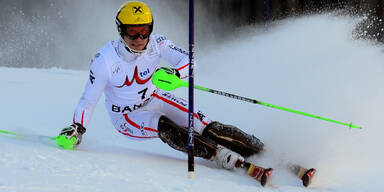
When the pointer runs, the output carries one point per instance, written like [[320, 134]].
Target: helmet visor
[[137, 31]]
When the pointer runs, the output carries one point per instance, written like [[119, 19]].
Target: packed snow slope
[[311, 64]]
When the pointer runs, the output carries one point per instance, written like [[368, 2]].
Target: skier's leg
[[233, 138], [176, 109], [137, 125], [177, 137]]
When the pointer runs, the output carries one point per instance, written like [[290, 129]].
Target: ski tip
[[307, 177], [265, 177]]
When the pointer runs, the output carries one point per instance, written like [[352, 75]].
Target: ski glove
[[75, 130], [171, 71]]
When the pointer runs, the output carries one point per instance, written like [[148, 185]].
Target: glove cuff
[[171, 71], [80, 129], [177, 73]]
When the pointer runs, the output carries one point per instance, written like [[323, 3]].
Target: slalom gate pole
[[191, 163], [267, 12], [169, 82]]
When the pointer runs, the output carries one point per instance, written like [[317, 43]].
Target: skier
[[123, 68]]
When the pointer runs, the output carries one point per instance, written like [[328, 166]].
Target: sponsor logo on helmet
[[137, 10]]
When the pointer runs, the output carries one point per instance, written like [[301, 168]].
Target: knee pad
[[233, 138]]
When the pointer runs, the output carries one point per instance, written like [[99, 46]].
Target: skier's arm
[[176, 56], [96, 83], [98, 78]]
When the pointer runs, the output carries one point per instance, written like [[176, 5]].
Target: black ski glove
[[75, 130], [170, 71]]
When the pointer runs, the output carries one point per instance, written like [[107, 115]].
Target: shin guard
[[233, 138], [177, 137]]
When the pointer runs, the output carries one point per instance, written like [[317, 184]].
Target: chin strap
[[133, 51]]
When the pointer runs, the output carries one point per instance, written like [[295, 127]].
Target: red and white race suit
[[132, 101]]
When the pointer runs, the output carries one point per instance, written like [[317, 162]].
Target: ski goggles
[[134, 32]]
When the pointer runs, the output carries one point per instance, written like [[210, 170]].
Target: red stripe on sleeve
[[82, 118], [180, 68]]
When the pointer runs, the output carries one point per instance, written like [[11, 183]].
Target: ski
[[304, 174], [260, 174]]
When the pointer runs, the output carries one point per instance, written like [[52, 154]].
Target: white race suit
[[132, 101]]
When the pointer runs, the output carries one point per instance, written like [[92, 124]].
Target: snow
[[311, 64]]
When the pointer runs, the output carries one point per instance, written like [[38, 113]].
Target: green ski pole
[[170, 82], [8, 133], [61, 140]]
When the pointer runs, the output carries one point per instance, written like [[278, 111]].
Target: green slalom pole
[[61, 140], [170, 82]]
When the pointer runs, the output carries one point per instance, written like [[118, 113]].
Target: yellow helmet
[[133, 13]]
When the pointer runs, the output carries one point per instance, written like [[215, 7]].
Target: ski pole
[[170, 82], [61, 140], [8, 132]]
